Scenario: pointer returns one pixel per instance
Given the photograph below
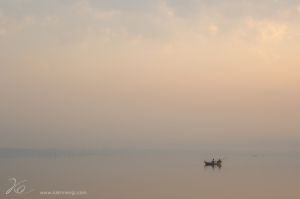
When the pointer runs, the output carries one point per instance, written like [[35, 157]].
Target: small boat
[[213, 163]]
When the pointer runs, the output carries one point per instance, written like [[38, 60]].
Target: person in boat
[[213, 161], [219, 161]]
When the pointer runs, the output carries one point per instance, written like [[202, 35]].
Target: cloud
[[165, 8], [274, 32], [86, 9], [298, 8], [268, 31], [12, 24], [213, 28]]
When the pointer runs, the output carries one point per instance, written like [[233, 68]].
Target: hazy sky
[[149, 73]]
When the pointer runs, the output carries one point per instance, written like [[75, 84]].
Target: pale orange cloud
[[298, 8], [268, 31], [213, 28]]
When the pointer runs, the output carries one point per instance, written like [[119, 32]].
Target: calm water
[[152, 176]]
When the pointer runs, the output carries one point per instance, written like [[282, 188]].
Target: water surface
[[152, 175]]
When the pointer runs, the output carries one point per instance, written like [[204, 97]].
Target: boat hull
[[212, 163]]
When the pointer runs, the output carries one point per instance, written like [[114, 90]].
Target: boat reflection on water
[[219, 166]]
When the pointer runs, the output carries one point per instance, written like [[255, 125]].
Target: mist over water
[[161, 175]]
